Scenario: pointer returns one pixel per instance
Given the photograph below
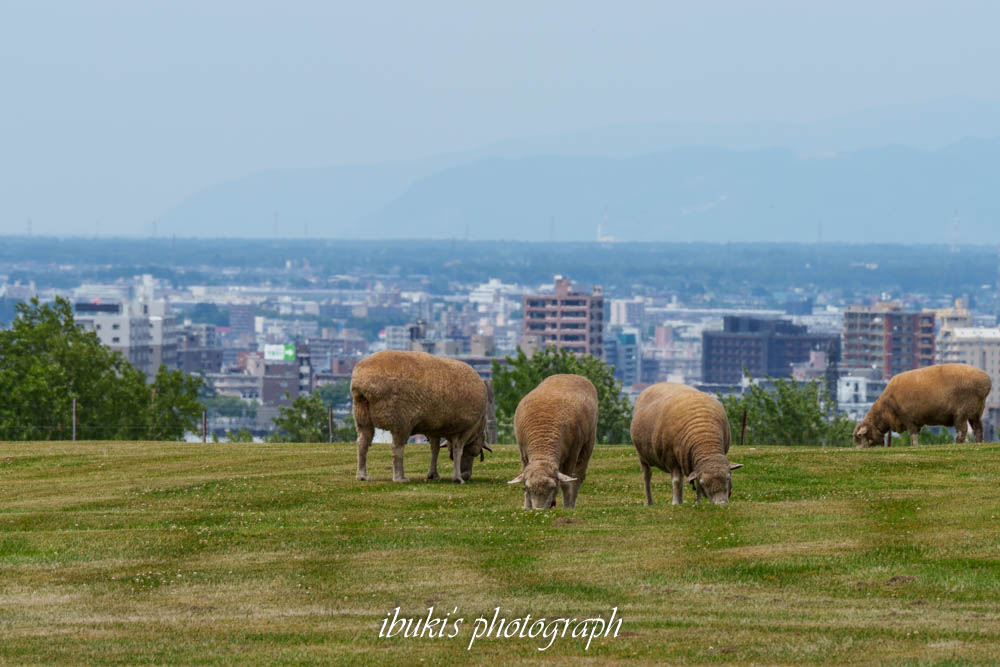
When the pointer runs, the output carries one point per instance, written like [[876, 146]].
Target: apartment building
[[566, 319], [887, 339]]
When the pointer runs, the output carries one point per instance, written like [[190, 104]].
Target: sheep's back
[[430, 393], [558, 416], [671, 419]]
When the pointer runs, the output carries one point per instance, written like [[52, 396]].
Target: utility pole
[[74, 419], [330, 422]]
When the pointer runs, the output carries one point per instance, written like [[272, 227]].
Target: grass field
[[225, 553]]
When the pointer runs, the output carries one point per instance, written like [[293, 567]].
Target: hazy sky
[[115, 111]]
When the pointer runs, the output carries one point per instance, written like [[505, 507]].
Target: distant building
[[397, 337], [199, 350], [762, 347], [627, 312], [241, 318], [887, 339], [566, 319], [979, 347], [121, 327], [857, 392], [622, 351]]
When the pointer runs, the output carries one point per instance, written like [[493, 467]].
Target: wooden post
[[204, 425], [330, 422], [74, 419], [743, 428]]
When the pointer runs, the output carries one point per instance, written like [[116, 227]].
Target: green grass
[[234, 553]]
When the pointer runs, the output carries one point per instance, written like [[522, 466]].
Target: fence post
[[330, 422], [204, 425], [74, 419]]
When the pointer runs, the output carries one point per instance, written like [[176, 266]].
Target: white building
[[627, 312], [979, 347], [856, 393], [397, 337]]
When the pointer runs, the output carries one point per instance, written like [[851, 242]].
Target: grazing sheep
[[415, 392], [556, 427], [686, 432], [942, 395]]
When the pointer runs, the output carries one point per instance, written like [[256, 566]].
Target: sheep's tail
[[362, 410]]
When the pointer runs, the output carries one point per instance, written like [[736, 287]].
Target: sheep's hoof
[[433, 475], [362, 478], [458, 481], [401, 479]]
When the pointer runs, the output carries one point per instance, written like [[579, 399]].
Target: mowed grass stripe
[[226, 553]]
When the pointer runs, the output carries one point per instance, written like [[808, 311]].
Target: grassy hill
[[163, 552]]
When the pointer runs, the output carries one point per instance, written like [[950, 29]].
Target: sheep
[[686, 432], [556, 427], [416, 392], [941, 395]]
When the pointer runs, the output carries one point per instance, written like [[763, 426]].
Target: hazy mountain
[[710, 194], [839, 173]]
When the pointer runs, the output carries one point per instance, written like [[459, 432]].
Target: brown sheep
[[415, 392], [685, 432], [556, 426], [942, 395]]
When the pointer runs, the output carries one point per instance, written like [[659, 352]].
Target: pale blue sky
[[116, 111]]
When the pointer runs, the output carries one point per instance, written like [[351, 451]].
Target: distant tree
[[230, 406], [173, 407], [46, 361], [520, 374], [791, 414], [335, 393], [242, 435], [209, 313], [307, 419]]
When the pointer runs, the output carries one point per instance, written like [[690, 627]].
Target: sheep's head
[[866, 435], [541, 485], [715, 482]]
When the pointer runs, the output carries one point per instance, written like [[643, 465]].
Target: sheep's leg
[[647, 475], [678, 487], [365, 435], [977, 428], [527, 500], [700, 493], [888, 439], [435, 442], [914, 436], [568, 494], [398, 443], [456, 453], [961, 430]]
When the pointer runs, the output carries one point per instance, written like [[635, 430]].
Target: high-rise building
[[761, 347], [979, 347], [887, 339], [621, 351], [566, 319]]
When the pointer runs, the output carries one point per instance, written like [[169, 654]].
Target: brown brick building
[[888, 339], [566, 319]]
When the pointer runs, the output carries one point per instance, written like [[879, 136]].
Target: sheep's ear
[[693, 476], [517, 480], [735, 466], [565, 478], [862, 429]]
